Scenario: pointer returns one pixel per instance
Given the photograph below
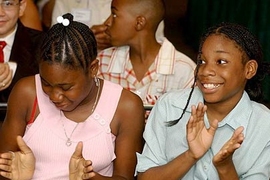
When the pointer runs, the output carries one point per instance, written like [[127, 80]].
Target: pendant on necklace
[[68, 143]]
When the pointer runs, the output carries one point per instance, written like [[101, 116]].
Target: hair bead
[[62, 20]]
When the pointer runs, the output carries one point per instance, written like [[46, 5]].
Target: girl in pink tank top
[[72, 123]]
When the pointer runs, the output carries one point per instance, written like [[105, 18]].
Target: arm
[[19, 109], [223, 160], [127, 125], [199, 141]]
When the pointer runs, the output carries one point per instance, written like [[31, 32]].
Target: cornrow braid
[[173, 122], [250, 46], [73, 45]]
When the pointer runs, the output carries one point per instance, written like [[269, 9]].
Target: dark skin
[[76, 96], [222, 88], [139, 35]]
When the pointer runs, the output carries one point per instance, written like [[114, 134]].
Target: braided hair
[[249, 45], [72, 45]]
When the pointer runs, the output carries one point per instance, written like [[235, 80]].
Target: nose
[[2, 11], [108, 21], [206, 70], [56, 95]]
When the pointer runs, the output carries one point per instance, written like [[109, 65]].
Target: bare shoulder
[[130, 112], [129, 99], [24, 86], [19, 108], [22, 95]]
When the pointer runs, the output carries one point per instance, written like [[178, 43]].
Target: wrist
[[191, 157]]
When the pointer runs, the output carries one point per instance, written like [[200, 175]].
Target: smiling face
[[222, 74], [9, 17], [67, 88]]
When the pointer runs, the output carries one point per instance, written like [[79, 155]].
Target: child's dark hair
[[73, 44], [250, 46]]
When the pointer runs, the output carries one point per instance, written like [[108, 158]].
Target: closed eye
[[66, 87]]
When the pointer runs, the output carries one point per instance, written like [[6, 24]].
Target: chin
[[211, 100], [66, 108]]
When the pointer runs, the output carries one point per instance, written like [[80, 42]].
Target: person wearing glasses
[[19, 44]]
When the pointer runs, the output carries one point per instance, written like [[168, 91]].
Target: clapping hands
[[20, 165], [200, 138]]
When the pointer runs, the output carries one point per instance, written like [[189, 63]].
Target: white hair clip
[[60, 19]]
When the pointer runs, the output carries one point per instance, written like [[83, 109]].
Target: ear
[[22, 7], [251, 68], [93, 68], [140, 23]]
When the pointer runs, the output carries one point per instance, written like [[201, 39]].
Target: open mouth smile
[[210, 86]]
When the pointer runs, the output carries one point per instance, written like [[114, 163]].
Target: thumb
[[78, 151], [22, 145]]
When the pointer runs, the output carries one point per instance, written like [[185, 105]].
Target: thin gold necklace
[[68, 141]]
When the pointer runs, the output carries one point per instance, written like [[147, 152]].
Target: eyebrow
[[217, 51], [114, 8], [61, 84], [220, 51]]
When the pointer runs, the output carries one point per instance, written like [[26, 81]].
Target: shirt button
[[108, 130], [205, 167], [96, 116], [102, 121]]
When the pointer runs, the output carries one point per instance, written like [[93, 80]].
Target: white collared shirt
[[9, 40]]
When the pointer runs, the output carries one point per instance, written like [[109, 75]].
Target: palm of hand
[[226, 152], [200, 142], [199, 137], [23, 165]]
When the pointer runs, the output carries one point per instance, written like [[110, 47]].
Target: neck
[[144, 53], [81, 113]]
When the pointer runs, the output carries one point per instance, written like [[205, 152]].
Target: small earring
[[96, 81]]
